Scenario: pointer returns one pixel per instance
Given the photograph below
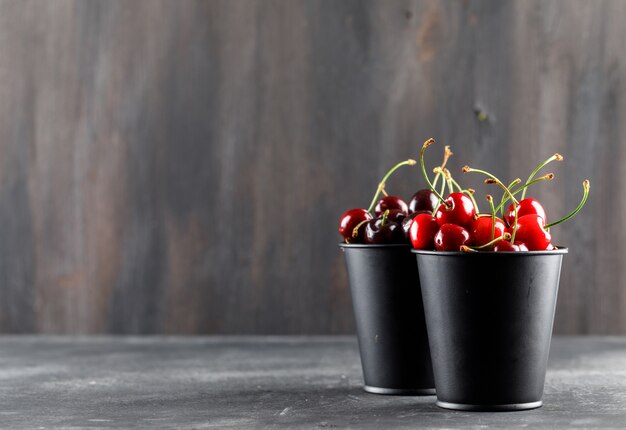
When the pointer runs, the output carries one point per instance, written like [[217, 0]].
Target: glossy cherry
[[423, 230], [423, 200], [390, 202], [531, 231], [528, 206], [406, 223], [349, 220], [451, 237], [507, 246], [382, 231], [458, 210], [482, 228]]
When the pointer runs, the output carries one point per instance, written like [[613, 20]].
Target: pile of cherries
[[431, 222]]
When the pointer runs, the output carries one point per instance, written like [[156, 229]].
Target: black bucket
[[390, 323], [489, 317]]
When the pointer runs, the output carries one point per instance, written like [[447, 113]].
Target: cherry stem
[[447, 153], [381, 186], [493, 216], [586, 186], [384, 192], [384, 219], [438, 174], [505, 198], [430, 185], [505, 236], [449, 179], [548, 177], [465, 248], [355, 230], [515, 202], [557, 157]]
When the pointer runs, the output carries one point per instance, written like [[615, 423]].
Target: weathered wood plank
[[179, 167]]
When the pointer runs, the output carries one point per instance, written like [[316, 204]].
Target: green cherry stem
[[547, 177], [381, 186], [505, 198], [424, 146], [586, 186], [384, 220], [493, 216], [505, 236], [557, 157], [515, 202]]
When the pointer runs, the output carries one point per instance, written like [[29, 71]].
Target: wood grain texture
[[179, 167]]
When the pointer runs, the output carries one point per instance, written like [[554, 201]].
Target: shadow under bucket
[[389, 316], [489, 317]]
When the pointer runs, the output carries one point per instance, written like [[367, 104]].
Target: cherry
[[482, 230], [423, 200], [458, 209], [507, 246], [349, 220], [390, 202], [451, 237], [382, 231], [531, 231], [524, 207], [406, 223], [422, 231]]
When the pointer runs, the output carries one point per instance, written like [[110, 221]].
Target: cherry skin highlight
[[390, 202], [459, 210], [423, 200], [422, 231], [525, 207], [349, 220], [482, 228], [451, 237], [531, 231]]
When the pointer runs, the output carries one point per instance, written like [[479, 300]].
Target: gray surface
[[269, 382], [180, 166]]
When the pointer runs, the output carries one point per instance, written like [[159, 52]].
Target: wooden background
[[180, 167]]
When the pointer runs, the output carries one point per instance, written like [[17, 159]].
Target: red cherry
[[506, 246], [451, 237], [423, 230], [531, 231], [408, 220], [390, 202], [423, 200], [482, 228], [525, 207], [350, 220], [459, 210]]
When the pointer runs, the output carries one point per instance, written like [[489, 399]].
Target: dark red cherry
[[423, 200], [423, 230], [390, 202], [451, 237], [459, 210], [525, 207], [482, 228], [382, 231], [531, 231], [507, 246], [350, 220]]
